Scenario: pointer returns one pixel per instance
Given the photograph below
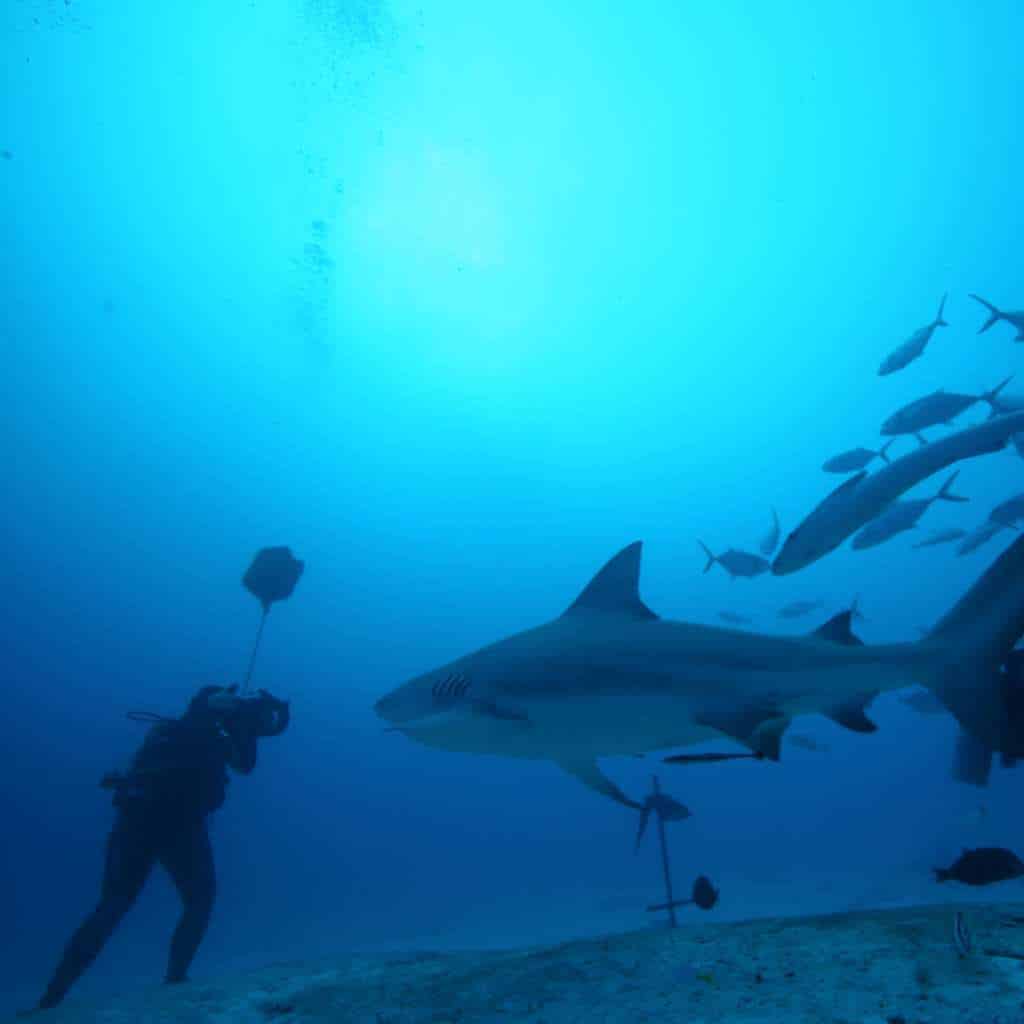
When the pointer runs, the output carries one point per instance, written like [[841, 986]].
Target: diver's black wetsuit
[[178, 777]]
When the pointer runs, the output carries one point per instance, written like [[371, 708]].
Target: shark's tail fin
[[939, 322], [968, 648], [710, 557], [994, 315], [883, 452], [945, 494]]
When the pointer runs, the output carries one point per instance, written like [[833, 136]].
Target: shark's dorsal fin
[[616, 588], [838, 631]]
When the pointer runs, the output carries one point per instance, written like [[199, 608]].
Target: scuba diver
[[177, 778]]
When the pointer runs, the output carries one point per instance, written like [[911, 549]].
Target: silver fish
[[736, 563], [854, 459], [914, 346], [1015, 317]]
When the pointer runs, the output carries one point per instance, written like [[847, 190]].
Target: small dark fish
[[6, 154], [738, 620], [855, 459], [797, 609], [704, 894], [984, 866], [736, 563]]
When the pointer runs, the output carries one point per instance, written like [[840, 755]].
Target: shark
[[863, 496], [609, 677]]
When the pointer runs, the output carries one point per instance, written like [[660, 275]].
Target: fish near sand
[[937, 409], [864, 497], [984, 866], [914, 346], [942, 537], [609, 677], [901, 516], [1015, 317], [855, 459], [770, 541], [736, 563]]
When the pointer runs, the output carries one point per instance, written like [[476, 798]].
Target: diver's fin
[[616, 588], [850, 714], [587, 771], [839, 631]]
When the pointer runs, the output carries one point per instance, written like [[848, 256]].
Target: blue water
[[456, 300]]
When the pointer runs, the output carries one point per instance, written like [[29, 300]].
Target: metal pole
[[255, 648], [664, 857]]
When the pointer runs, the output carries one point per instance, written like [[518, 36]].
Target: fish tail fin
[[991, 396], [883, 452], [941, 874], [710, 557], [963, 655], [994, 315], [939, 321], [945, 494]]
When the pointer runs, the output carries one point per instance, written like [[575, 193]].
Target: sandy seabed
[[866, 967]]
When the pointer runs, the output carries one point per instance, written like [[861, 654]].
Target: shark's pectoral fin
[[851, 715], [590, 775], [767, 738], [749, 726]]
